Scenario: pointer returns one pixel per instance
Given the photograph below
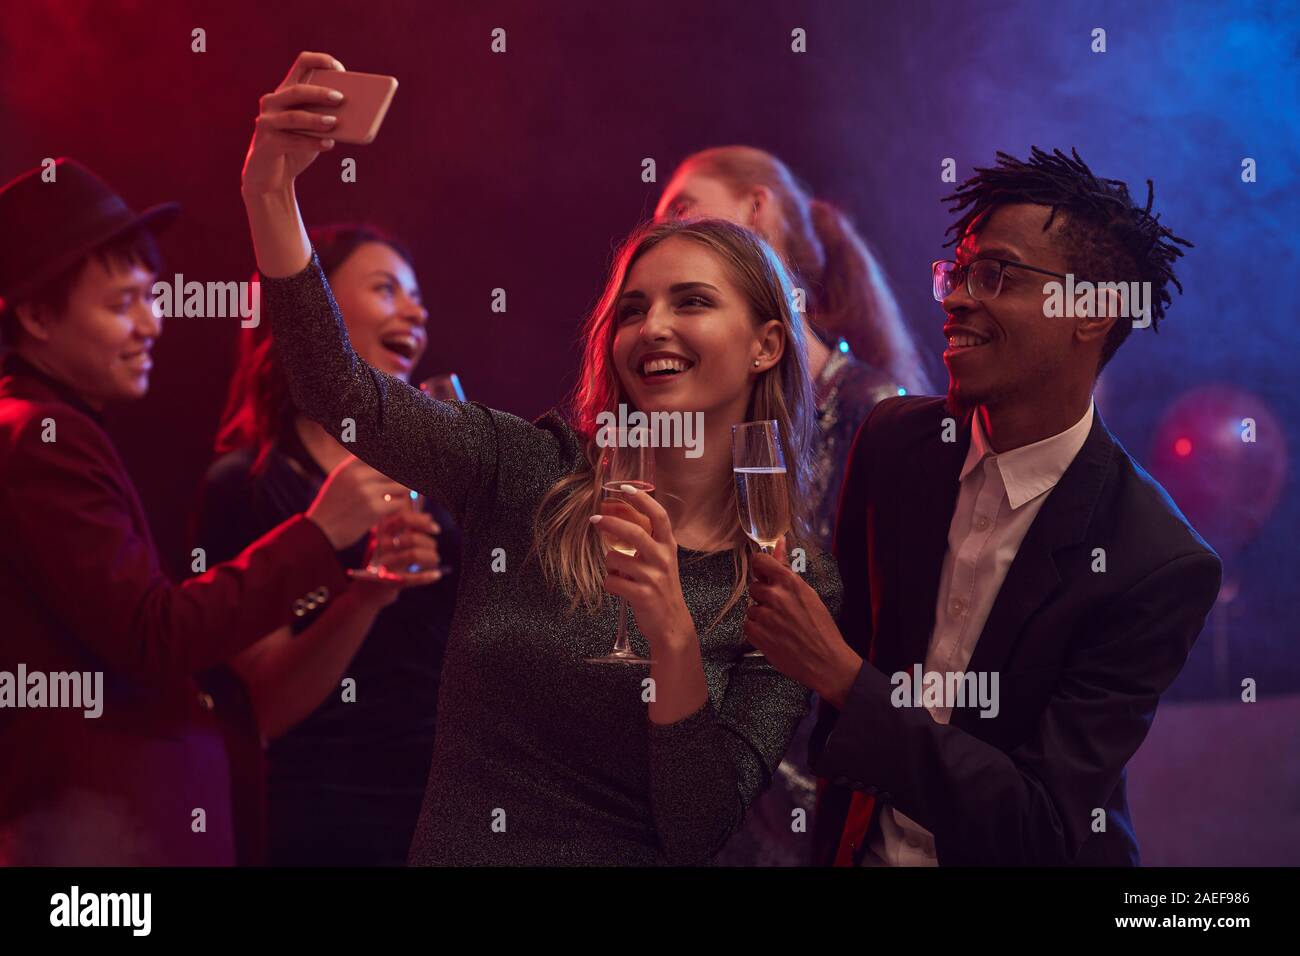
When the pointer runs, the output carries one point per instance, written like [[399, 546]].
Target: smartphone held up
[[366, 98]]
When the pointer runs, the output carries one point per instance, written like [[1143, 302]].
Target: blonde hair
[[850, 297], [572, 558]]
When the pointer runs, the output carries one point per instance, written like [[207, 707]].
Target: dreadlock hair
[[1107, 236]]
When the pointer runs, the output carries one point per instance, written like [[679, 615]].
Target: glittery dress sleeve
[[706, 769], [447, 450]]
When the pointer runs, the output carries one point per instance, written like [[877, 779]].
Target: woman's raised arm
[[287, 138], [451, 451]]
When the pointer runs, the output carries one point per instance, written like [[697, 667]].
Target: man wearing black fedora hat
[[138, 775]]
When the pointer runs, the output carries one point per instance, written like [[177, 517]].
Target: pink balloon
[[1221, 454]]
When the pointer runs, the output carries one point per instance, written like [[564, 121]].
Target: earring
[[756, 363]]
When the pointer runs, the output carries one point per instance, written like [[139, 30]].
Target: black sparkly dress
[[541, 758]]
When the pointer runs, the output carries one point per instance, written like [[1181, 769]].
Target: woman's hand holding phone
[[287, 138]]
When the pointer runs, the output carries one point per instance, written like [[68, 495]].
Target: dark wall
[[520, 170]]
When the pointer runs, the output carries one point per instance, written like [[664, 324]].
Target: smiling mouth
[[964, 342], [403, 346], [664, 367]]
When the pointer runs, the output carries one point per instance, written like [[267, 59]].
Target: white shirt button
[[981, 523], [958, 607]]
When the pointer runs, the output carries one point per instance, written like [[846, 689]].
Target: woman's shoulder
[[238, 474], [548, 440], [231, 470]]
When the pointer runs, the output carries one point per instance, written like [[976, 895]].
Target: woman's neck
[[320, 444], [692, 490]]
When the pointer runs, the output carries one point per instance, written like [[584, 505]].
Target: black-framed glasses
[[983, 276]]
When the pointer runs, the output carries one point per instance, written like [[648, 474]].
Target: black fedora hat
[[47, 226]]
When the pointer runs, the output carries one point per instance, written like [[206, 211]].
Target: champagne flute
[[628, 460], [382, 565], [758, 462]]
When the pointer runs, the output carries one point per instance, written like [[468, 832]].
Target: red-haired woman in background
[[860, 352], [345, 772]]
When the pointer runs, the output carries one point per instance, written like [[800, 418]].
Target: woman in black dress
[[542, 757], [346, 762]]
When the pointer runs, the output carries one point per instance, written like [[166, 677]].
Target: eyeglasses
[[983, 276]]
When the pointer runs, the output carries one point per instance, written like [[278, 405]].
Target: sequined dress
[[540, 757]]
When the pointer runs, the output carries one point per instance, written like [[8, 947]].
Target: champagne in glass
[[383, 565], [758, 462], [764, 505], [615, 489], [628, 460]]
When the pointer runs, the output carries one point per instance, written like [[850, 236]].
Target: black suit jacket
[[1082, 655]]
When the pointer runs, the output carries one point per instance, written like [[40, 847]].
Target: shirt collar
[[1030, 470]]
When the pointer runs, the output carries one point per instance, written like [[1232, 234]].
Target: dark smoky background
[[522, 170]]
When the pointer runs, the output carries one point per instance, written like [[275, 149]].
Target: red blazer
[[82, 590]]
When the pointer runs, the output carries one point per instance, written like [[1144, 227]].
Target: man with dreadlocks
[[1025, 592]]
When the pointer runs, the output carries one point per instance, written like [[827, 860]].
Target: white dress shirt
[[999, 497]]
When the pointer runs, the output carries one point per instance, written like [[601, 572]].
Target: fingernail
[[327, 144], [329, 120], [595, 518], [630, 489], [336, 96]]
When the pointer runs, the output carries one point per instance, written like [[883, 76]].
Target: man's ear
[[34, 320], [1094, 327]]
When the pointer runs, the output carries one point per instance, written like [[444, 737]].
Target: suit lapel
[[923, 539], [1033, 576]]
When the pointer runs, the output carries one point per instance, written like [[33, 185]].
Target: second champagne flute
[[758, 462]]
